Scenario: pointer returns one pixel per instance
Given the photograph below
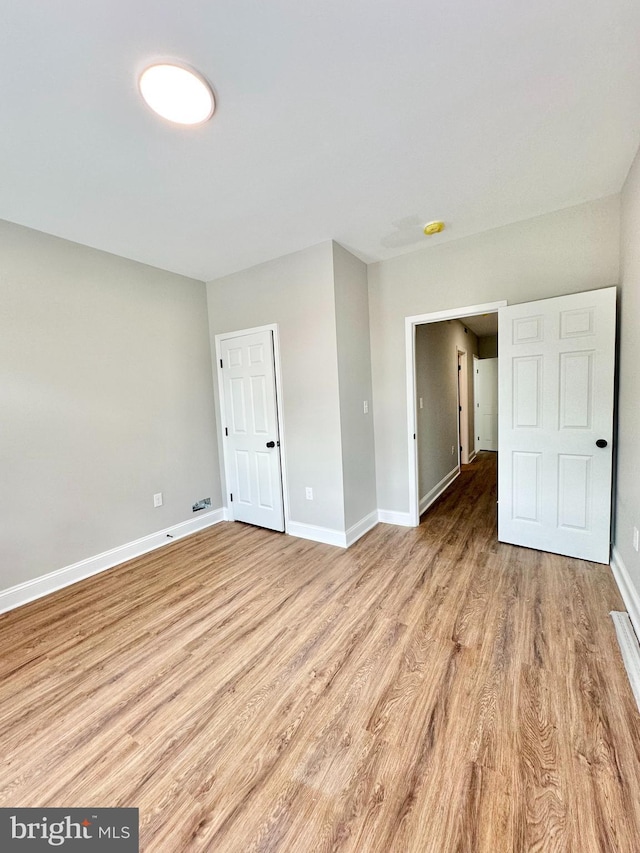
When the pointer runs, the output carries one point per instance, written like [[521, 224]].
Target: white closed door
[[486, 419], [251, 435], [556, 380]]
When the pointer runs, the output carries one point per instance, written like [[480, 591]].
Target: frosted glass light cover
[[177, 94]]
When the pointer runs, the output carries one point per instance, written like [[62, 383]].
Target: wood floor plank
[[429, 689]]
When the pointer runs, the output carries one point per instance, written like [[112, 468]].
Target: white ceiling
[[343, 119]]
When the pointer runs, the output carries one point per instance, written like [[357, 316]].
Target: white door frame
[[273, 327], [463, 405], [476, 359], [410, 324]]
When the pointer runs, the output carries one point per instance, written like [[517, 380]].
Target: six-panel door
[[556, 378], [252, 442]]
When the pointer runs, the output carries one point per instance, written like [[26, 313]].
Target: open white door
[[252, 441], [486, 420], [556, 375]]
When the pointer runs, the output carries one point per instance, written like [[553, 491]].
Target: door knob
[[271, 444], [601, 442]]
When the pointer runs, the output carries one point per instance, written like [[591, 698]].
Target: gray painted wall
[[564, 252], [354, 376], [488, 346], [437, 384], [297, 293], [105, 394], [628, 448], [105, 374]]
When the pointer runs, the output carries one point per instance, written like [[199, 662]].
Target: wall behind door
[[488, 346]]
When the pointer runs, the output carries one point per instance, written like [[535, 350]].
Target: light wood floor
[[426, 690]]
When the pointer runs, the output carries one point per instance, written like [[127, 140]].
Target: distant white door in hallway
[[251, 434], [486, 399], [556, 379]]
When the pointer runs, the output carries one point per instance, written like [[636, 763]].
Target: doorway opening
[[556, 392], [440, 399]]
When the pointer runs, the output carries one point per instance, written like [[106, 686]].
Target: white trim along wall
[[627, 589], [22, 593], [432, 496]]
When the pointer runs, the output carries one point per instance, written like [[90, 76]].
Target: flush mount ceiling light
[[177, 93], [433, 227]]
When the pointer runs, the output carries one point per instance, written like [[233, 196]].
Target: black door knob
[[601, 442], [271, 444]]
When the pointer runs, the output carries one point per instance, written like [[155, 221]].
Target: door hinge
[[459, 367], [221, 365], [226, 431], [459, 408], [231, 497], [414, 435]]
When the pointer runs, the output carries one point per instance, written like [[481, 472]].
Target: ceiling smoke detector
[[433, 227]]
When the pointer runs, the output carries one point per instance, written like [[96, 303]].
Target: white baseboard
[[363, 526], [629, 594], [472, 456], [22, 593], [433, 495], [629, 649], [390, 516], [329, 536], [326, 535]]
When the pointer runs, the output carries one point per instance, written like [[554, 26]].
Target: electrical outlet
[[635, 538], [453, 449], [421, 403], [366, 407], [308, 493], [157, 499]]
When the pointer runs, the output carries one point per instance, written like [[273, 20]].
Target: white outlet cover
[[157, 499]]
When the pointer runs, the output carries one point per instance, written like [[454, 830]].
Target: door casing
[[464, 448], [410, 324]]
